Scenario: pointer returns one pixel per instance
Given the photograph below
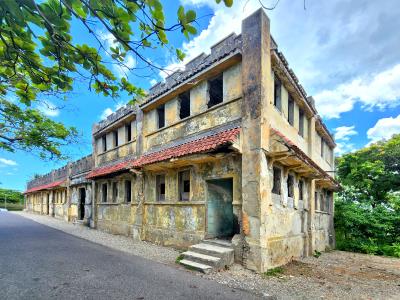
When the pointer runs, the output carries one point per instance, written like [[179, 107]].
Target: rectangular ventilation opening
[[215, 91], [184, 105]]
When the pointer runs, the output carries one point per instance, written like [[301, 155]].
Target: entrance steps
[[208, 255]]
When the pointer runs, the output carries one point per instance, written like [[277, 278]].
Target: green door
[[220, 220]]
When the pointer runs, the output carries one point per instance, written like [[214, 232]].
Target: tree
[[40, 58]]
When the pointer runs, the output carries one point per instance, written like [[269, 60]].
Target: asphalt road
[[38, 262]]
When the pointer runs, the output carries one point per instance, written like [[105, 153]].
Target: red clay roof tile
[[45, 186]]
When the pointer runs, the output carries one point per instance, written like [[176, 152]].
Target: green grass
[[317, 254], [273, 272], [12, 206], [179, 258]]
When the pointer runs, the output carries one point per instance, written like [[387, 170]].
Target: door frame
[[234, 182], [81, 205]]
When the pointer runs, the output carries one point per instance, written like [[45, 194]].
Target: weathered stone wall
[[183, 223]]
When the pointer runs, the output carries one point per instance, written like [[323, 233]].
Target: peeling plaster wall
[[183, 223], [75, 198], [201, 117], [117, 217]]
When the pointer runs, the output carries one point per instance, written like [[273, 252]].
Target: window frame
[[158, 187], [128, 132], [277, 87], [290, 187], [301, 122], [160, 111], [104, 142], [115, 192], [104, 192], [276, 184], [184, 97], [115, 138], [128, 187], [290, 116], [181, 185], [211, 103]]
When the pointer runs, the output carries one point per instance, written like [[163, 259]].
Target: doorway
[[221, 222], [82, 200]]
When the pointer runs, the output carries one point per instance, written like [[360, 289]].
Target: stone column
[[137, 230], [93, 218], [256, 67]]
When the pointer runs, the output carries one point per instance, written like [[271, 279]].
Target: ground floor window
[[128, 191], [104, 192], [184, 185], [276, 187], [160, 186], [115, 191], [290, 186]]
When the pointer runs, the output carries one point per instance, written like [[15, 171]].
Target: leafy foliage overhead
[[41, 58]]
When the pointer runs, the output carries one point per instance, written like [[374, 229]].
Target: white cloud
[[343, 147], [344, 132], [129, 61], [49, 109], [8, 162], [381, 90], [224, 21], [153, 82], [108, 111], [384, 129]]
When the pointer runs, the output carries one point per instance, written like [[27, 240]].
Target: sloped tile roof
[[205, 144], [45, 186]]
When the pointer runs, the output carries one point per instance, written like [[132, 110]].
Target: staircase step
[[216, 242], [195, 265], [202, 258], [211, 249]]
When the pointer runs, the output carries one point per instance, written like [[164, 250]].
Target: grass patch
[[273, 272], [179, 258]]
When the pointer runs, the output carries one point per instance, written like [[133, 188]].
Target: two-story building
[[229, 148]]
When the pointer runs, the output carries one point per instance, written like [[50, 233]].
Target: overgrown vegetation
[[273, 272], [367, 209], [15, 199]]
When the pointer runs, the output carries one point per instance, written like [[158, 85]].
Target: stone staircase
[[208, 255]]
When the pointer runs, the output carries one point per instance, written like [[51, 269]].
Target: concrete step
[[217, 242], [226, 254], [202, 258], [196, 266]]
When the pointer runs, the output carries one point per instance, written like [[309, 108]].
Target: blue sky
[[344, 52]]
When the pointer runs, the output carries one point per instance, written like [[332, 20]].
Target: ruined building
[[229, 148]]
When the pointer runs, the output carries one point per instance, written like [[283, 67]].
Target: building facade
[[230, 147]]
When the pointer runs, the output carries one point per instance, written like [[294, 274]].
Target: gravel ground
[[334, 275]]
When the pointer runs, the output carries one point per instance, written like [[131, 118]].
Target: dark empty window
[[276, 187], [115, 191], [290, 183], [322, 201], [301, 190], [329, 200], [184, 105], [215, 91], [128, 132], [322, 147], [128, 190], [104, 142], [316, 200], [301, 122], [277, 93], [291, 110], [184, 185], [160, 183], [115, 133], [104, 192], [161, 116]]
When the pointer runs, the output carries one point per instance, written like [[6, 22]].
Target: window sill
[[108, 203], [322, 212], [179, 203]]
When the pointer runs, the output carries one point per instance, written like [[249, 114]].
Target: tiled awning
[[201, 145], [304, 158], [45, 186]]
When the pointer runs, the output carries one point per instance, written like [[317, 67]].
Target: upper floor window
[[322, 147], [215, 91], [128, 190], [291, 110], [184, 105], [290, 184], [160, 187], [276, 187], [115, 134], [301, 122], [184, 185], [128, 132], [115, 191], [161, 116], [277, 93], [104, 143], [104, 192]]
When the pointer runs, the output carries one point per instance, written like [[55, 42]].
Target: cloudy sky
[[345, 53]]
